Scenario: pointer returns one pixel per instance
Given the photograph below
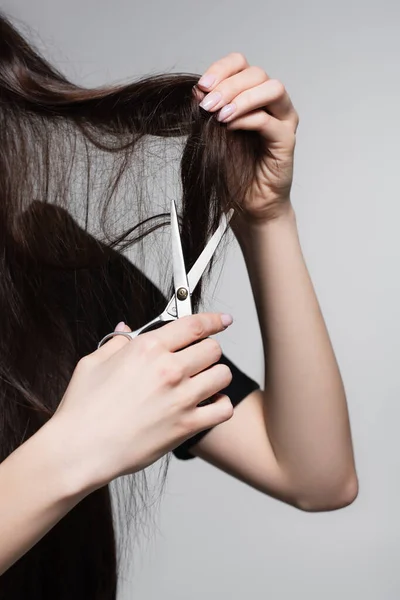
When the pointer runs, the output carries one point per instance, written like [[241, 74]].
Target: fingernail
[[225, 112], [120, 326], [226, 320], [206, 81], [211, 100]]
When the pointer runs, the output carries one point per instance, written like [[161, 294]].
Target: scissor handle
[[107, 337], [132, 334]]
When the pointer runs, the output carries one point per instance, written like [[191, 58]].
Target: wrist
[[63, 460], [248, 231]]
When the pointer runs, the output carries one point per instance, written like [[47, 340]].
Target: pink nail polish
[[226, 320], [225, 112], [206, 81], [120, 326], [211, 100]]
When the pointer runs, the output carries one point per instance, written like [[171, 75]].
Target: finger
[[210, 415], [270, 94], [270, 128], [199, 357], [221, 69], [198, 93], [207, 383], [192, 328], [231, 87], [115, 343]]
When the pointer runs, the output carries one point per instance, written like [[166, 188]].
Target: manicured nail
[[206, 81], [226, 320], [211, 100], [225, 112], [120, 326]]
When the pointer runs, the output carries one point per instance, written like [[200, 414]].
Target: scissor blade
[[183, 306], [201, 263]]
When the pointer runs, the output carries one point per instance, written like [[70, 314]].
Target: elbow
[[330, 496]]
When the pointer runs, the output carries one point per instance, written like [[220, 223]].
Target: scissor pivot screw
[[182, 293]]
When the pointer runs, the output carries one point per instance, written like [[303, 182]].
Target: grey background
[[215, 537]]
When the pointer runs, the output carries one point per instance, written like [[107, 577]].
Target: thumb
[[122, 327], [115, 343]]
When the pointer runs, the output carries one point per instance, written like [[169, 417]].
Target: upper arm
[[241, 447]]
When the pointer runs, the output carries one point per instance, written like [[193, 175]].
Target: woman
[[73, 417]]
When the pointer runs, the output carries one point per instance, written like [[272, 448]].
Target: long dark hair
[[73, 162]]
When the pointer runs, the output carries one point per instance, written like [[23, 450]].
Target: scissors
[[184, 283]]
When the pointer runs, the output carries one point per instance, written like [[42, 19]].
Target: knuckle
[[225, 408], [225, 375], [171, 374], [214, 349], [197, 327], [278, 87], [86, 362], [148, 343], [239, 58], [290, 140], [258, 73]]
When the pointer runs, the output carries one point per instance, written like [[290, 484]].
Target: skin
[[127, 404], [291, 441]]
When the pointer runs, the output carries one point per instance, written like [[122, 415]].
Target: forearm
[[305, 403], [38, 486]]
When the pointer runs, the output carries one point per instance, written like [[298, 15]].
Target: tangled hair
[[73, 164]]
